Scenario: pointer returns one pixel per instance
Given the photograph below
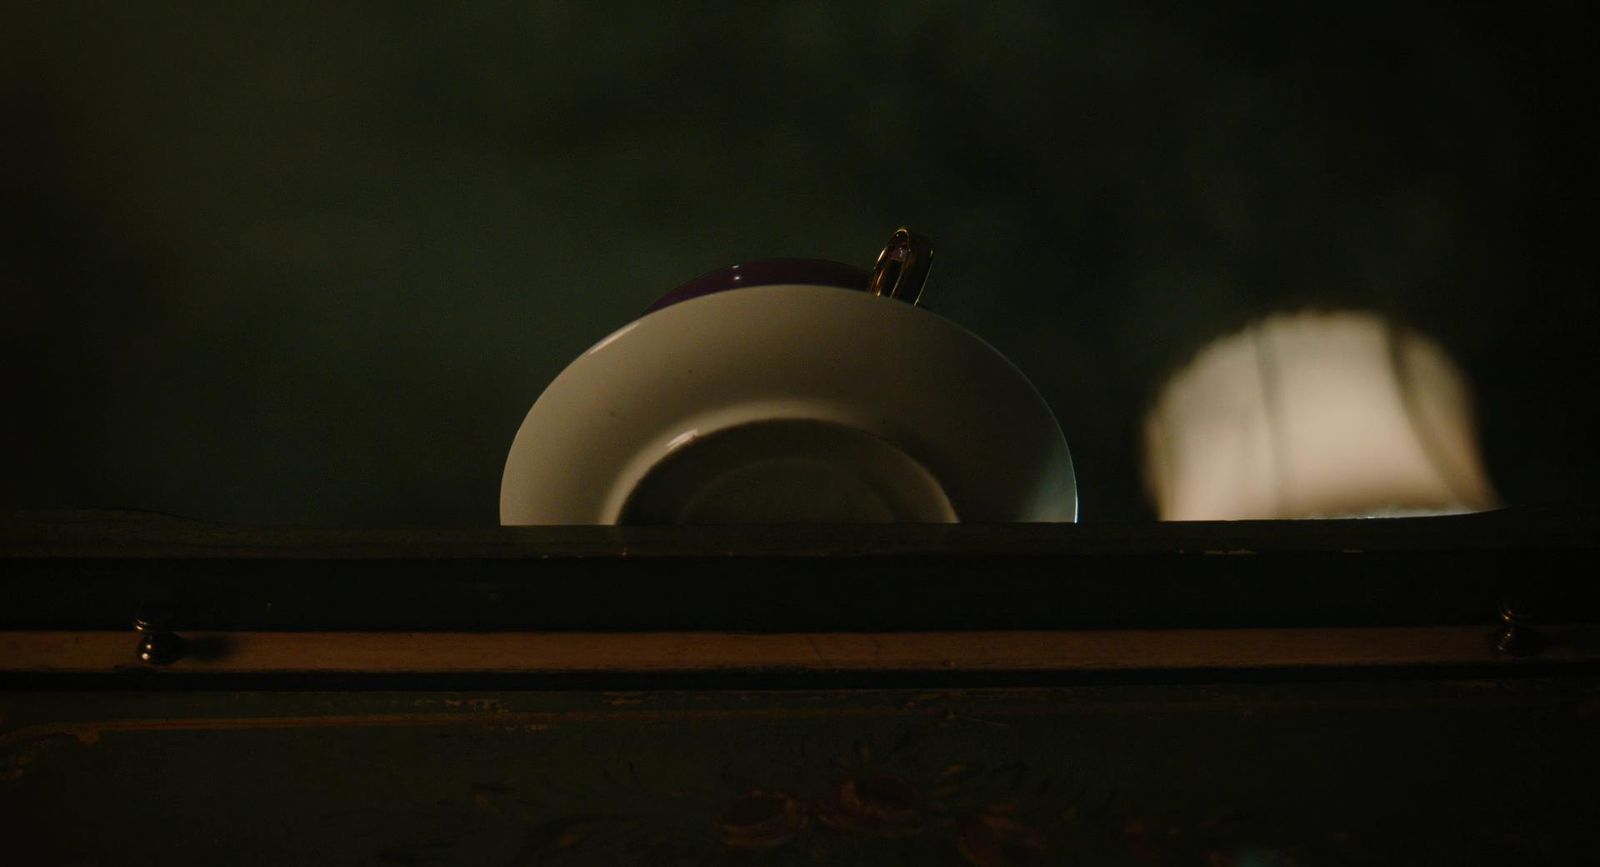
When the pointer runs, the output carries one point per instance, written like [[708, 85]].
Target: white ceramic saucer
[[778, 404]]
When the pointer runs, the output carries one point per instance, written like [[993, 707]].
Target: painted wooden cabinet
[[1395, 692]]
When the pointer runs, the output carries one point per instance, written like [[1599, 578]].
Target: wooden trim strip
[[580, 652], [123, 535]]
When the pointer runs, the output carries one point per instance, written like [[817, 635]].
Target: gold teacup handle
[[902, 268]]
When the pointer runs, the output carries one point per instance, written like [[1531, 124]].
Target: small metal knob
[[158, 645], [902, 268], [1516, 635]]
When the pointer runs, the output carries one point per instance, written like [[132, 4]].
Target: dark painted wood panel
[[96, 572], [1413, 773]]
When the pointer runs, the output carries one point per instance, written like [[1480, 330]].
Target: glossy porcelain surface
[[789, 403]]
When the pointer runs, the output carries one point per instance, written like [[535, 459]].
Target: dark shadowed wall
[[311, 262]]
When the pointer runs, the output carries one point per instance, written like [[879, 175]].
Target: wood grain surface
[[1120, 650]]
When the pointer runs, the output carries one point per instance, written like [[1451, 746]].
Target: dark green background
[[312, 262]]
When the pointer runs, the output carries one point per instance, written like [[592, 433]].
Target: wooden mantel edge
[[580, 652]]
